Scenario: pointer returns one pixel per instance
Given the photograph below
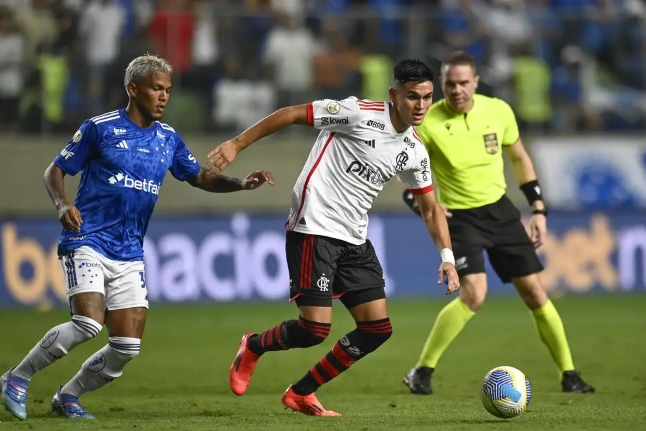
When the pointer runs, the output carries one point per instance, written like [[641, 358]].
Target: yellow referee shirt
[[466, 153]]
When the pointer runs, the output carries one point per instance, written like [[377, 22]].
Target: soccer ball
[[505, 392]]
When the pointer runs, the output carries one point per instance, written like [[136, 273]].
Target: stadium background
[[575, 73]]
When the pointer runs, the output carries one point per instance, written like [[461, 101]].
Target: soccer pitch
[[180, 379]]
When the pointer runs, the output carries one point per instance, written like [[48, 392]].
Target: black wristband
[[409, 199], [532, 191], [541, 211]]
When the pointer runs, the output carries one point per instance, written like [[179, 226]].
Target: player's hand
[[447, 270], [538, 229], [70, 217], [447, 213], [256, 179], [222, 156]]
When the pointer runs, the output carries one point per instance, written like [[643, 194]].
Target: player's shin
[[104, 366], [290, 334], [353, 346], [57, 343], [550, 328]]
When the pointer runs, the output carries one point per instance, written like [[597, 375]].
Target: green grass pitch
[[179, 381]]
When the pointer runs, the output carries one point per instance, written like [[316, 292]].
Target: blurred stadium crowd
[[565, 65]]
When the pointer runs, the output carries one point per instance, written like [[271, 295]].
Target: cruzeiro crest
[[491, 143]]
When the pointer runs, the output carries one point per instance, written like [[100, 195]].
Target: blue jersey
[[123, 167]]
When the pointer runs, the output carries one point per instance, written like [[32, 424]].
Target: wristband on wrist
[[447, 256], [532, 191], [541, 211]]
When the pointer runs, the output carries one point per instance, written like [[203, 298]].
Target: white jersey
[[357, 151]]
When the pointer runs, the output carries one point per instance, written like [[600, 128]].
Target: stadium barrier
[[241, 257]]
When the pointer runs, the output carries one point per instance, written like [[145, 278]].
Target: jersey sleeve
[[511, 133], [418, 176], [184, 165], [79, 150], [343, 116]]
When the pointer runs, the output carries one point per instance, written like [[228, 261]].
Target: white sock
[[56, 344], [104, 366]]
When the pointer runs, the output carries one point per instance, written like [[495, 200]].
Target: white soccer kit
[[357, 151]]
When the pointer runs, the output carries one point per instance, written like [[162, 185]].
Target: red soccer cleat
[[242, 367], [307, 404]]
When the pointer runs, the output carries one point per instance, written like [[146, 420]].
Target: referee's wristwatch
[[540, 211]]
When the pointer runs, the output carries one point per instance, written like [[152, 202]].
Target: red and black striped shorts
[[322, 269]]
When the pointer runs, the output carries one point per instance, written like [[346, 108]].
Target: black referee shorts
[[496, 228], [322, 269]]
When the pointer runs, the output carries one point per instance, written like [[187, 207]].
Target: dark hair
[[460, 58], [412, 70]]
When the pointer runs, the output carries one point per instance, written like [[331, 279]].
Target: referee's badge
[[491, 143]]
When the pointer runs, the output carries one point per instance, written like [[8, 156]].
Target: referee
[[464, 133]]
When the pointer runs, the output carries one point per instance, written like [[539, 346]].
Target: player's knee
[[86, 326], [474, 300], [123, 349], [305, 333], [374, 333]]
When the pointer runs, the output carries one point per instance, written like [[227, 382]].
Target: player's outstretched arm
[[225, 153], [217, 183], [438, 228], [68, 214], [526, 176]]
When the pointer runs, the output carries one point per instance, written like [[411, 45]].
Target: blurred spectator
[[102, 25], [617, 105], [37, 25], [532, 83], [298, 50], [464, 28], [11, 61], [171, 30], [240, 101], [289, 53], [376, 75], [336, 65]]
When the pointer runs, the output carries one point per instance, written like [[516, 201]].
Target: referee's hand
[[538, 229], [447, 270]]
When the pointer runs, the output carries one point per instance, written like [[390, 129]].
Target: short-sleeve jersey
[[465, 151], [356, 152], [123, 167]]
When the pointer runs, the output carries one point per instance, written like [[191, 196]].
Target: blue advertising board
[[241, 257]]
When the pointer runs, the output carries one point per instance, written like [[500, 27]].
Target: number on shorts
[[143, 280]]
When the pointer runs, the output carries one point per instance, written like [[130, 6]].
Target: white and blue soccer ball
[[506, 392]]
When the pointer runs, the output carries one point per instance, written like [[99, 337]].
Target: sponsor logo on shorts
[[461, 263]]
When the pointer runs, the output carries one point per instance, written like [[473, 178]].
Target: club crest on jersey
[[401, 160], [333, 107], [77, 136], [491, 143]]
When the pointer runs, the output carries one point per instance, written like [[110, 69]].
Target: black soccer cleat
[[418, 380], [572, 382]]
